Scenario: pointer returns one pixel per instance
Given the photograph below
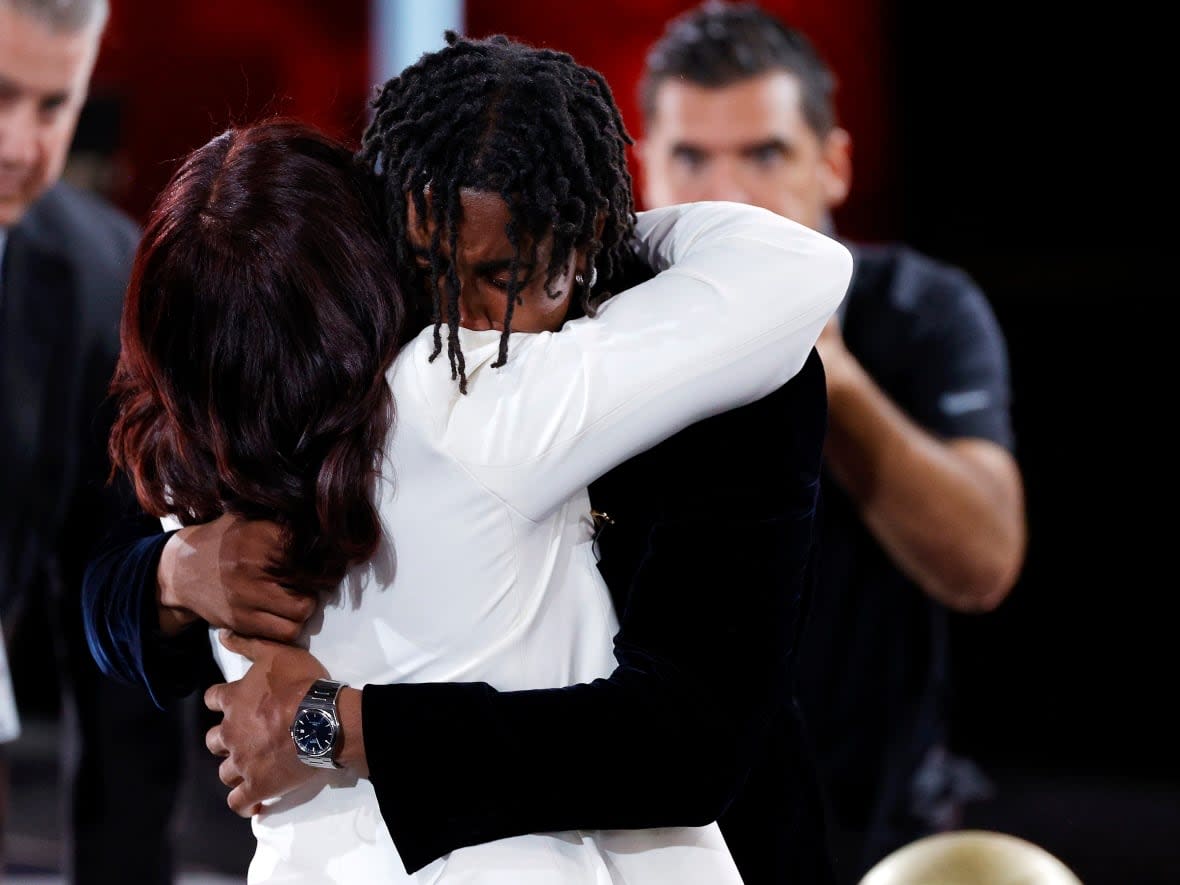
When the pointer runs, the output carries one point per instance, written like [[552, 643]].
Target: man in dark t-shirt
[[876, 683], [924, 509]]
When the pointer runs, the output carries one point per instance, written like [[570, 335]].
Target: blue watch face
[[313, 732]]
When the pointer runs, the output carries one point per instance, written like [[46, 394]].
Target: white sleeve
[[740, 299]]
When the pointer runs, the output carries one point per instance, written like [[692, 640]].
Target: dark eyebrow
[[51, 100], [685, 147]]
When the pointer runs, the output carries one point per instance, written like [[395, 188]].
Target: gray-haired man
[[64, 262]]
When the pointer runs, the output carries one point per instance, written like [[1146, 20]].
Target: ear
[[836, 168]]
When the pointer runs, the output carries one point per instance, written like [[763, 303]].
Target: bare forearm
[[951, 515]]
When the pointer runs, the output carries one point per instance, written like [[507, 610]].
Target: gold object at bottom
[[970, 857]]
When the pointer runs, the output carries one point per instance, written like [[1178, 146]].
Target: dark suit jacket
[[709, 561], [65, 270], [66, 266]]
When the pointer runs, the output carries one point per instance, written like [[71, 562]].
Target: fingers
[[228, 772], [245, 646], [253, 543], [255, 607], [288, 605], [262, 538], [215, 741], [247, 551], [242, 803], [265, 625], [253, 648], [215, 697], [301, 606], [264, 596], [240, 798]]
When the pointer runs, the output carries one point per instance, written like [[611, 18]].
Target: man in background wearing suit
[[64, 261]]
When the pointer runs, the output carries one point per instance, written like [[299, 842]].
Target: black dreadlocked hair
[[718, 44], [530, 124]]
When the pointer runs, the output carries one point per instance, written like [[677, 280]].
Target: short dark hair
[[63, 16], [718, 44], [530, 124], [259, 322]]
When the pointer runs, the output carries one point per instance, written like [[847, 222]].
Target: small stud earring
[[580, 279]]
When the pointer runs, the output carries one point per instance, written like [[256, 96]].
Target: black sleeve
[[120, 616], [963, 387], [705, 654]]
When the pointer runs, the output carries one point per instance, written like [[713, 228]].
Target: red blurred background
[[176, 73], [238, 60]]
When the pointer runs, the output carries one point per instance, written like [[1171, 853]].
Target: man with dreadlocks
[[461, 739], [553, 149]]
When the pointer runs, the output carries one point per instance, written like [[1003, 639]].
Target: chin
[[10, 215], [12, 210]]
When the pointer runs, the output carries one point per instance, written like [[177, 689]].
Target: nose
[[475, 313], [473, 318], [725, 182], [728, 187]]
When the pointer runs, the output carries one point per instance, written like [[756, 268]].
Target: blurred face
[[43, 82], [747, 142], [483, 262]]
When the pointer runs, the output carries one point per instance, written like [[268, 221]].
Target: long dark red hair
[[258, 326]]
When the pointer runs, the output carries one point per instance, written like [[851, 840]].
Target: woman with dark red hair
[[261, 317]]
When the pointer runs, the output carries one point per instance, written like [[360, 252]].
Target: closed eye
[[504, 283]]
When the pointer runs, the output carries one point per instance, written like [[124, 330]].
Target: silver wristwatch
[[316, 727]]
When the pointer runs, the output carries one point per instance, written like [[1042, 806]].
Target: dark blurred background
[[1014, 141]]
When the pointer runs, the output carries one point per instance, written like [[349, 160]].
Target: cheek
[[797, 196], [552, 311], [773, 195], [540, 313], [687, 183], [683, 188], [52, 149], [667, 181]]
